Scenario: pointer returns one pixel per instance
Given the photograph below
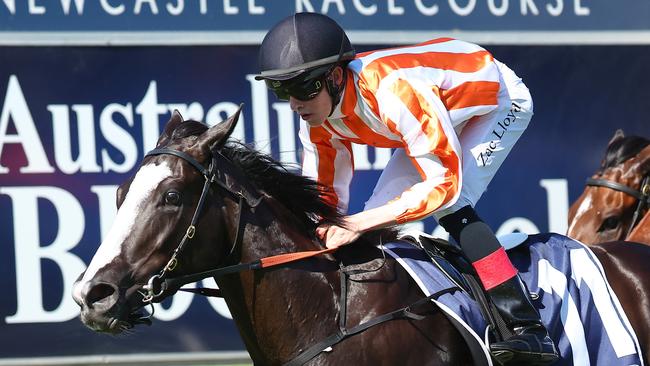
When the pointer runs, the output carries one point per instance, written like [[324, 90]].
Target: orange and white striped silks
[[407, 97]]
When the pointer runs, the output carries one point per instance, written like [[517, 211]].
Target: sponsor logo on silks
[[484, 157]]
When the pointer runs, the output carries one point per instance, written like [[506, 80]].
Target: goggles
[[302, 88]]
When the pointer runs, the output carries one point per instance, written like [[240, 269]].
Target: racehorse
[[197, 204], [617, 197]]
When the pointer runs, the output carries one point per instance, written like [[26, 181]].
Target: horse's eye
[[173, 198], [610, 223]]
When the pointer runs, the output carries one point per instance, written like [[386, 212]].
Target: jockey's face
[[313, 111]]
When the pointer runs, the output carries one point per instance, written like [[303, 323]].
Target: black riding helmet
[[300, 48]]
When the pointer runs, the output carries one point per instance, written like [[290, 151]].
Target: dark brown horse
[[617, 197], [278, 312], [197, 204]]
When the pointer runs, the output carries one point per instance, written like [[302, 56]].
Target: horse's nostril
[[99, 292]]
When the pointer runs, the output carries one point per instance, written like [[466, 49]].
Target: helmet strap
[[335, 91]]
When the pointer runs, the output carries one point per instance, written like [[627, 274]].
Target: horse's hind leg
[[628, 272]]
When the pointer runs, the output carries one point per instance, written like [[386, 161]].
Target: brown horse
[[255, 210], [197, 204], [617, 196]]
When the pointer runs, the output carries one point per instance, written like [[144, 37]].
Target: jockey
[[451, 111]]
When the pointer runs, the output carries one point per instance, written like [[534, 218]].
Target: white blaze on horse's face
[[140, 190], [584, 207]]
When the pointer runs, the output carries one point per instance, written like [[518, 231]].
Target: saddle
[[450, 260]]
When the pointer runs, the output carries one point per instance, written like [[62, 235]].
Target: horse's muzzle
[[107, 308]]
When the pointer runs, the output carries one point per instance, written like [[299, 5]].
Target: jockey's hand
[[353, 226], [335, 236]]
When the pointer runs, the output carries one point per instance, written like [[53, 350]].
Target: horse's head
[[605, 210], [155, 210]]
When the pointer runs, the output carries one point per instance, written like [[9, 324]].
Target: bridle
[[159, 284], [642, 195]]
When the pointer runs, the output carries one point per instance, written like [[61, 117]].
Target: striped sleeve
[[328, 161], [421, 93], [420, 118]]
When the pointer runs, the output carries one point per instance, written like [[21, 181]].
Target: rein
[[642, 195]]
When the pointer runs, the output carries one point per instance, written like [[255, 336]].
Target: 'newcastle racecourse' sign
[[393, 21]]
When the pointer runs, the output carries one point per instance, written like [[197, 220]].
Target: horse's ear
[[218, 134], [171, 125], [617, 136]]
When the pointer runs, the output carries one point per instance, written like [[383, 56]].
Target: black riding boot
[[531, 344]]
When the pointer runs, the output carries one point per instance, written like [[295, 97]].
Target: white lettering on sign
[[11, 6], [432, 7], [30, 251], [86, 161], [427, 8], [15, 108], [462, 10], [580, 10], [363, 9], [528, 4], [34, 8], [78, 4], [557, 203], [175, 9], [498, 10], [153, 7]]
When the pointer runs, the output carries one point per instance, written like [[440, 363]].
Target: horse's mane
[[299, 194], [621, 150]]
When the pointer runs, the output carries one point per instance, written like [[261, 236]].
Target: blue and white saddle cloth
[[577, 305]]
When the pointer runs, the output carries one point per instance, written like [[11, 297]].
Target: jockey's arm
[[434, 150], [355, 225]]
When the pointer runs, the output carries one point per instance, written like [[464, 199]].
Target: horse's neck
[[267, 303]]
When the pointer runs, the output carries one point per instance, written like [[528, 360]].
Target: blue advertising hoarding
[[109, 22], [226, 15], [75, 122]]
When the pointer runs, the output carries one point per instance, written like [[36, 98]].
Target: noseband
[[642, 195]]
